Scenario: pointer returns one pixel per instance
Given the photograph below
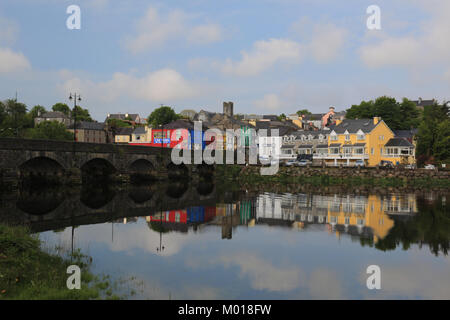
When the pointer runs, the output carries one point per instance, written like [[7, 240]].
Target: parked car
[[290, 163], [430, 167], [386, 164], [302, 163], [360, 163]]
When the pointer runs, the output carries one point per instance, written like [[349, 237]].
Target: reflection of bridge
[[53, 210], [22, 158]]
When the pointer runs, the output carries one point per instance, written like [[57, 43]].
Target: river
[[176, 241]]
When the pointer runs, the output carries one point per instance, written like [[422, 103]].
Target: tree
[[81, 114], [432, 133], [441, 149], [385, 107], [411, 114], [161, 116], [36, 111], [14, 118], [61, 107], [117, 123], [49, 130], [303, 112], [282, 117]]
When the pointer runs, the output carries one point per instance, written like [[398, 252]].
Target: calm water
[[182, 242]]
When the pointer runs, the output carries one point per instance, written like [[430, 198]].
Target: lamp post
[[75, 96]]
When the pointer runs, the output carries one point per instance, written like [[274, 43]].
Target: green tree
[[411, 114], [441, 149], [61, 107], [37, 110], [303, 112], [81, 114], [15, 118], [49, 130], [117, 123], [282, 117], [385, 107], [161, 116], [432, 131]]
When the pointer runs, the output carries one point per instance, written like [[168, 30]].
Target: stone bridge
[[72, 162]]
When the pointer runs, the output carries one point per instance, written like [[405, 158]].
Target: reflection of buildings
[[361, 216], [179, 220], [365, 216]]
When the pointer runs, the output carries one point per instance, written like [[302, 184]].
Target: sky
[[267, 56]]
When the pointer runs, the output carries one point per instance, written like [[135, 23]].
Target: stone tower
[[228, 109]]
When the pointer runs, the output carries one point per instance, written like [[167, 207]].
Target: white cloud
[[326, 42], [11, 61], [428, 48], [263, 275], [154, 30], [162, 85], [205, 34], [269, 101], [264, 55]]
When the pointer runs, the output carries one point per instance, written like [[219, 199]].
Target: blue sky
[[266, 56]]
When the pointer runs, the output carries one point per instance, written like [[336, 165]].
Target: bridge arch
[[142, 169], [40, 169], [97, 168]]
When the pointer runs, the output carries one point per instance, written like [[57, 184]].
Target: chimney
[[228, 109], [376, 120]]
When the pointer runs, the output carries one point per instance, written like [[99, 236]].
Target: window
[[334, 137], [371, 150], [347, 137], [361, 136], [381, 137], [359, 151], [334, 150]]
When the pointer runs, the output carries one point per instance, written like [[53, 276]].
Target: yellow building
[[368, 140], [123, 135]]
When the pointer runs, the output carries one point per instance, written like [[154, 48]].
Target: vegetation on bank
[[28, 272], [241, 175]]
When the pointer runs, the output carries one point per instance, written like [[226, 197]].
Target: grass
[[27, 272]]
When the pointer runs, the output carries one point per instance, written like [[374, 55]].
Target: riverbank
[[29, 272], [290, 178]]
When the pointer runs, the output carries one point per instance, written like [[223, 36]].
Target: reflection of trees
[[430, 226], [158, 226]]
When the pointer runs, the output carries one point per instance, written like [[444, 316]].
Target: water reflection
[[190, 244]]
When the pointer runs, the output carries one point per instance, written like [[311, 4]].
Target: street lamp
[[75, 96]]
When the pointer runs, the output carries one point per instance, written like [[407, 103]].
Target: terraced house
[[370, 140]]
